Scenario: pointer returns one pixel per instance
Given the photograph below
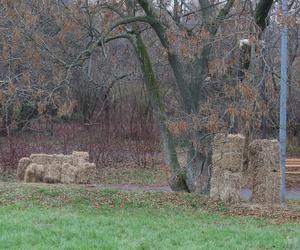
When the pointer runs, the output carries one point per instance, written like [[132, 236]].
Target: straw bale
[[81, 154], [53, 174], [30, 173], [228, 152], [40, 171], [86, 173], [80, 158], [264, 165], [61, 159], [273, 183], [68, 173], [23, 164], [231, 186], [34, 173], [232, 162], [230, 143], [42, 159], [216, 157]]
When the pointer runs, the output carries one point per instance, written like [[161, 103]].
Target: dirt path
[[134, 187], [292, 193]]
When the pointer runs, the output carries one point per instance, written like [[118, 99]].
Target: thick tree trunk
[[177, 182], [199, 164]]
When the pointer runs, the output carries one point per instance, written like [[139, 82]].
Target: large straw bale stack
[[60, 168], [227, 160], [264, 165]]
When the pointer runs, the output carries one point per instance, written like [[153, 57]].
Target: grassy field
[[145, 176], [60, 217]]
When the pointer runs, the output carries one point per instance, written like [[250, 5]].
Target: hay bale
[[34, 173], [80, 158], [264, 165], [86, 173], [68, 173], [23, 164], [230, 187], [52, 174], [40, 171], [57, 168], [228, 152], [232, 161], [30, 173], [232, 143], [42, 159], [61, 159]]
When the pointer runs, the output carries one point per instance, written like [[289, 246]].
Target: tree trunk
[[178, 180], [198, 165]]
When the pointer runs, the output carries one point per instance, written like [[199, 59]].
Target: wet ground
[[291, 193]]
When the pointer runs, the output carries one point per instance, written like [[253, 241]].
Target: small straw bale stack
[[264, 165], [57, 168], [227, 162]]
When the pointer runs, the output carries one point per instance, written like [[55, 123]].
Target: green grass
[[145, 176], [59, 217]]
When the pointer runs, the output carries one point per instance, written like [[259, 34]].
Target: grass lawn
[[143, 176], [60, 217]]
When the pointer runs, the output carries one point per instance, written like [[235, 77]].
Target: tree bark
[[178, 182]]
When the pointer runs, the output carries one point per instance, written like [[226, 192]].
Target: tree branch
[[261, 13]]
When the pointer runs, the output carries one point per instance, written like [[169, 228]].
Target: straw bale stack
[[227, 162], [59, 168]]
